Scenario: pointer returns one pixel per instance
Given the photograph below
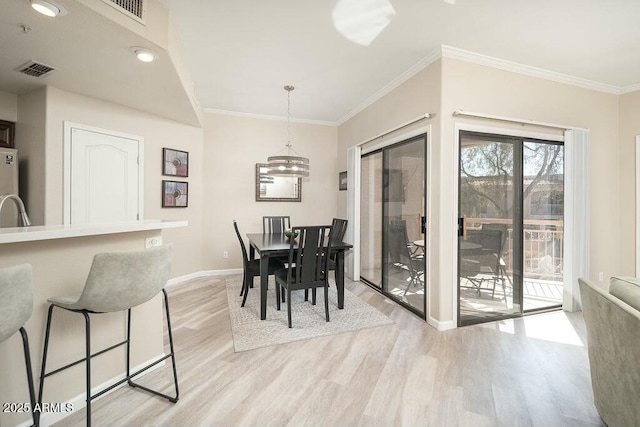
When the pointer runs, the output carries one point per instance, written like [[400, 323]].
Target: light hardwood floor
[[527, 372]]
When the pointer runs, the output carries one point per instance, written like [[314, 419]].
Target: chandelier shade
[[292, 164]]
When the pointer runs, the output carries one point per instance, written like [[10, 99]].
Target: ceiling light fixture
[[362, 21], [47, 7], [143, 54], [288, 165]]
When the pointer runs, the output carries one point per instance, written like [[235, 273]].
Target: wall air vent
[[132, 8], [35, 69]]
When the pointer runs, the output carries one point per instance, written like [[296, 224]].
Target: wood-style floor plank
[[409, 374]]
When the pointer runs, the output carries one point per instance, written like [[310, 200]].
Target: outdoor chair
[[481, 265], [401, 256]]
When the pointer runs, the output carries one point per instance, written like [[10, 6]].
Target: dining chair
[[307, 265], [336, 235], [251, 268], [16, 306], [117, 281], [275, 224]]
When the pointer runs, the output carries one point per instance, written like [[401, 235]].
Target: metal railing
[[543, 246]]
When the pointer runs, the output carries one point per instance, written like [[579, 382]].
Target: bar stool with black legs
[[16, 306], [117, 281]]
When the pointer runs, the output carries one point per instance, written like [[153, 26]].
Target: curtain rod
[[514, 120], [410, 122]]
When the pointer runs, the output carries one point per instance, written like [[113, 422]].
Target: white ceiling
[[241, 53]]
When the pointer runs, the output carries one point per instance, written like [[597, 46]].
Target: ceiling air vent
[[35, 69], [131, 8]]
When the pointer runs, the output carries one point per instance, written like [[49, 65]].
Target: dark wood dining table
[[268, 245]]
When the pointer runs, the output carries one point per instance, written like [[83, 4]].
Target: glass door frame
[[518, 221], [381, 289]]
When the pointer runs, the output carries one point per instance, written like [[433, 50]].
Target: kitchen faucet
[[23, 219]]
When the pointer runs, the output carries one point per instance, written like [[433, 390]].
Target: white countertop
[[48, 232]]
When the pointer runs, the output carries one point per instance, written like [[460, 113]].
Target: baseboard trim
[[441, 326], [205, 273], [78, 402]]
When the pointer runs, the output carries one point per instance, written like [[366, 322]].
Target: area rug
[[249, 332]]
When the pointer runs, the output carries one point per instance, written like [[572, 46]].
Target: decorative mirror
[[276, 188]]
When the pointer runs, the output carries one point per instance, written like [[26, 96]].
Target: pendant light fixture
[[291, 164]]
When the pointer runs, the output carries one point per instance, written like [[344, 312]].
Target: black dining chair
[[338, 230], [275, 224], [307, 265], [336, 235], [251, 268]]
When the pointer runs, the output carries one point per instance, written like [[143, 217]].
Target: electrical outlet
[[601, 276], [151, 242], [225, 254]]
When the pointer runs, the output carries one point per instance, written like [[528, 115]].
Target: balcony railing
[[543, 246]]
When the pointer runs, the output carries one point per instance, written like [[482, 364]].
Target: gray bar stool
[[16, 306], [117, 281]]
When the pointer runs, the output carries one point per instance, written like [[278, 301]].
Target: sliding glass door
[[510, 226], [392, 222]]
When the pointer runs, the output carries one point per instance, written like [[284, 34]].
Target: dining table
[[268, 245]]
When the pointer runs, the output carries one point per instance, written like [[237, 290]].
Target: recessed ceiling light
[[144, 55], [48, 8]]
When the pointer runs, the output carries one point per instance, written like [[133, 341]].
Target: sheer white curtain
[[576, 215], [352, 259]]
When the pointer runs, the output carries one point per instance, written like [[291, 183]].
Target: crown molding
[[629, 89], [432, 57], [267, 117], [527, 70], [450, 52]]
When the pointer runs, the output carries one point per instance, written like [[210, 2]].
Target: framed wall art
[[175, 162], [175, 194], [342, 181]]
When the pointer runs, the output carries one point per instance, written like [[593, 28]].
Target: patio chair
[[400, 255], [481, 265], [503, 246]]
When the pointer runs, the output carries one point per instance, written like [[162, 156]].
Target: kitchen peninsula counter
[[48, 232]]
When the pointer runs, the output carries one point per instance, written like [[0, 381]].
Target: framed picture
[[175, 194], [175, 162], [342, 181]]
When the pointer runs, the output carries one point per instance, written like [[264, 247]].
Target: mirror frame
[[260, 198]]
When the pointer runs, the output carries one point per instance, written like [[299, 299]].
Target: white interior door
[[104, 176]]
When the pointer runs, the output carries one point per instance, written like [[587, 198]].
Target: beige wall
[[232, 147], [8, 106], [629, 129], [472, 87], [157, 133], [450, 85], [418, 95], [30, 142]]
